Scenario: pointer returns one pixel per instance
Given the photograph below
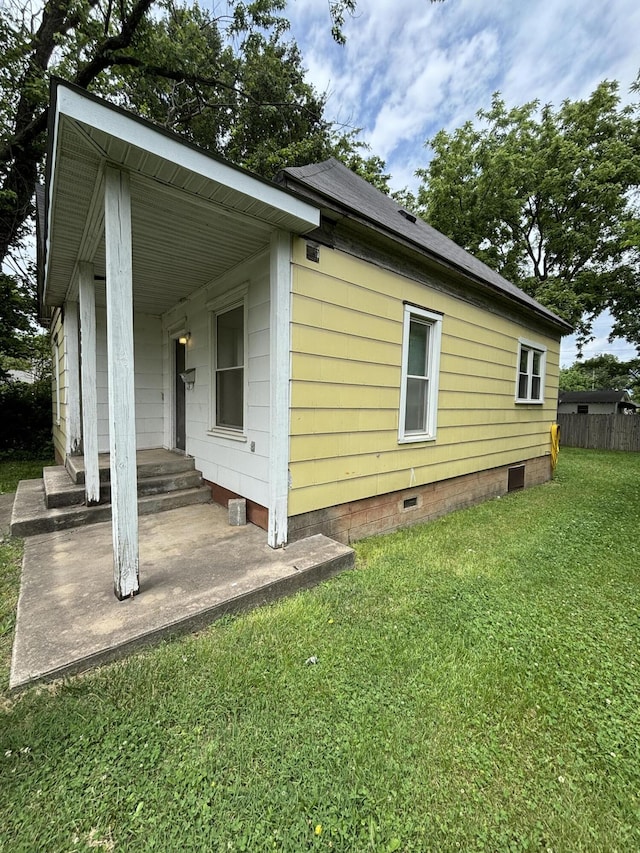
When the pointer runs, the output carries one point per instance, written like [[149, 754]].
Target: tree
[[548, 198], [231, 83], [177, 65], [602, 373], [16, 312]]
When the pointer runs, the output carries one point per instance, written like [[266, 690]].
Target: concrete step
[[150, 463], [31, 516], [60, 490]]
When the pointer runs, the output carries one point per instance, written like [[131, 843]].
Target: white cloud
[[410, 68]]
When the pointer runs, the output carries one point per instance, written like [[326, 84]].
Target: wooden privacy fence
[[600, 432]]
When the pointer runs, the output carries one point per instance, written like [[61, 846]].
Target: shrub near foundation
[[25, 425]]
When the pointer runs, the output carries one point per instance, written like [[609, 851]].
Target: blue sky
[[412, 67]]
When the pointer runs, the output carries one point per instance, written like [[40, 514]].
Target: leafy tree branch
[[549, 198]]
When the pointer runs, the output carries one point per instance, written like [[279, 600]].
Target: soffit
[[188, 228]]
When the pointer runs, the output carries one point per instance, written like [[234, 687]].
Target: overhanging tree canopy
[[549, 198], [230, 82]]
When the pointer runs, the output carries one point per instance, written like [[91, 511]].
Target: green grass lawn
[[11, 472], [477, 689]]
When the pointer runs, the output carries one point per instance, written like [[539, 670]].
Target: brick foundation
[[384, 513]]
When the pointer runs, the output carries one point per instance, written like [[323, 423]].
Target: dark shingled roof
[[594, 397], [342, 188]]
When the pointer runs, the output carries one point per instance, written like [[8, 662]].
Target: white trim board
[[134, 131]]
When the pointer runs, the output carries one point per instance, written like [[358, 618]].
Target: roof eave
[[100, 120], [333, 205]]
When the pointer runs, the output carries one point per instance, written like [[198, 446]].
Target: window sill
[[529, 402], [413, 439], [233, 435]]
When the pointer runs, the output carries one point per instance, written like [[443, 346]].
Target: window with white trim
[[531, 369], [420, 369], [229, 368]]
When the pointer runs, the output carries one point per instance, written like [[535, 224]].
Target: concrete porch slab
[[194, 568]]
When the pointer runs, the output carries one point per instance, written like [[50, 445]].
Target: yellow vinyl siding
[[337, 395], [328, 343], [344, 371], [479, 442], [325, 421], [347, 324]]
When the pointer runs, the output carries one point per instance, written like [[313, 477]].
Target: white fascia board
[[52, 182], [138, 133]]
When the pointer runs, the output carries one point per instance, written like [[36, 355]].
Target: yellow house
[[421, 380], [312, 347]]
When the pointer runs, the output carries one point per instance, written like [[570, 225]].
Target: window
[[530, 381], [420, 362], [229, 349], [583, 409]]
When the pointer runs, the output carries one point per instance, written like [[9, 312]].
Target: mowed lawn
[[477, 689]]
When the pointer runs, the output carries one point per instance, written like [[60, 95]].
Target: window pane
[[535, 388], [415, 419], [536, 363], [522, 386], [229, 398], [524, 360], [230, 338], [418, 348]]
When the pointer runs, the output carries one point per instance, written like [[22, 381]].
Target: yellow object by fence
[[555, 445]]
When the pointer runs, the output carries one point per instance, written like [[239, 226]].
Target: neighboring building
[[595, 403], [319, 351]]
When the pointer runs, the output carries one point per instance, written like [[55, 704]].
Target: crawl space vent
[[516, 478]]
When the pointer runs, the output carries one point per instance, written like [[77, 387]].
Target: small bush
[[25, 424]]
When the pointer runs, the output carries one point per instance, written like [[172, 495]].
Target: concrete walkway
[[6, 506], [194, 568]]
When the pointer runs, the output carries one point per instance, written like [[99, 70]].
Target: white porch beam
[[74, 428], [279, 352], [120, 367], [87, 293]]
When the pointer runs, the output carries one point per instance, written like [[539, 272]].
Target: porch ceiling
[[193, 216]]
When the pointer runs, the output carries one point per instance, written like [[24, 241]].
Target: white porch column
[[279, 351], [87, 294], [74, 429], [122, 422]]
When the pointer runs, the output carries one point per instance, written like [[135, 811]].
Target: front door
[[179, 396]]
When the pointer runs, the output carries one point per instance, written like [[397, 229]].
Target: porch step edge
[[30, 516], [60, 491], [176, 464]]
